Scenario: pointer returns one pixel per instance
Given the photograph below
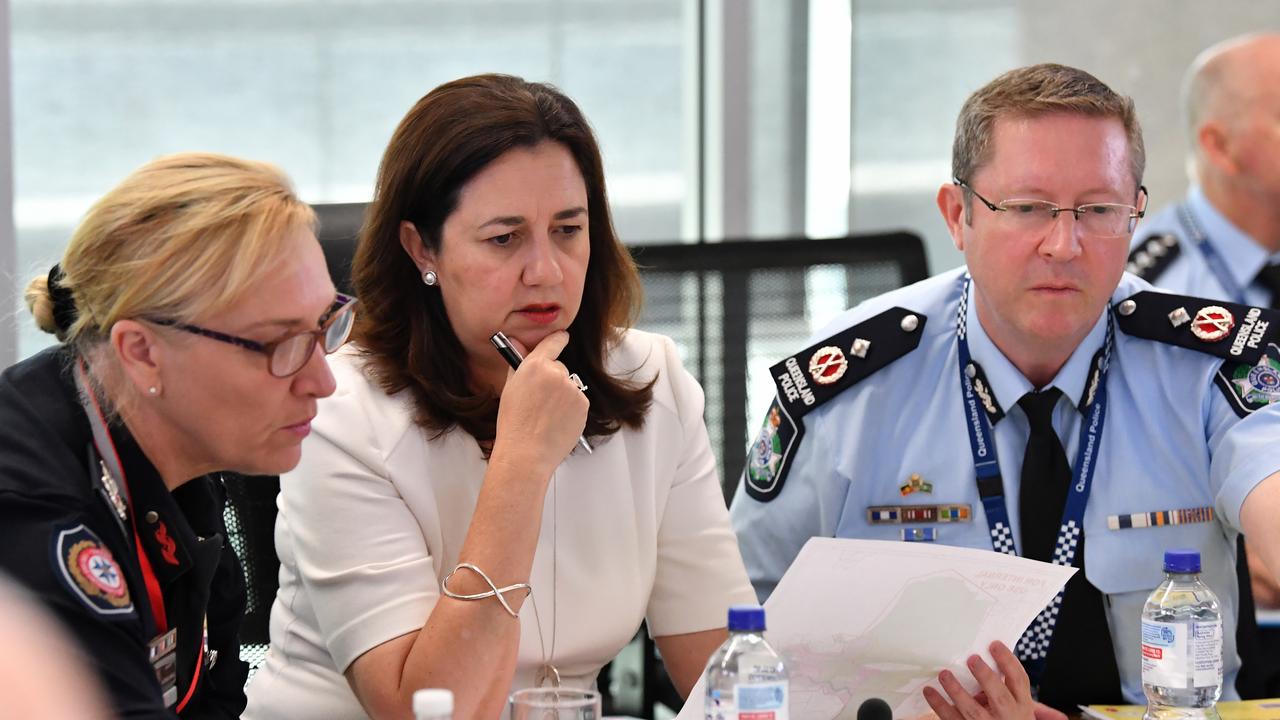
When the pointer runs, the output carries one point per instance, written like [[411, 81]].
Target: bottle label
[[1206, 652], [1182, 655], [760, 694], [761, 701]]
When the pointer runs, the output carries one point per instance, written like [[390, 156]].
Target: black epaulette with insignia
[[815, 375], [1247, 338], [1151, 257]]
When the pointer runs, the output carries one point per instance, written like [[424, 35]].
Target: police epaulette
[[1151, 257], [1227, 330], [823, 370], [813, 376]]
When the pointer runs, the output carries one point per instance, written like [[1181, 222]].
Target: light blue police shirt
[[1191, 272], [1171, 441]]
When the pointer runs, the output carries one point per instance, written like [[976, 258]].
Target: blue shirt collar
[[1247, 257], [1008, 383]]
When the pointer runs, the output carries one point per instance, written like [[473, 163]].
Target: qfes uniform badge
[[815, 375], [1245, 337], [90, 572]]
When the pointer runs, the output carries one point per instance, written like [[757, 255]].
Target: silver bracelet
[[494, 591]]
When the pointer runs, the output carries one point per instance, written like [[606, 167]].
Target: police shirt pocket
[[1131, 559], [1126, 564]]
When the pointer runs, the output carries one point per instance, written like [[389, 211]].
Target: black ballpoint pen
[[513, 358]]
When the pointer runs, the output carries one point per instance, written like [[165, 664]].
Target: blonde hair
[[181, 237], [1031, 92]]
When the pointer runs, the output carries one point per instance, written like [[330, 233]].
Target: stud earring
[[430, 278], [153, 390]]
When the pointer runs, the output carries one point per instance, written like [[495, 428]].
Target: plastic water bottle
[[1182, 643], [746, 677], [433, 704]]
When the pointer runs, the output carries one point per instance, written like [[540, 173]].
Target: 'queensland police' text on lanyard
[[1034, 645], [1212, 258], [164, 645]]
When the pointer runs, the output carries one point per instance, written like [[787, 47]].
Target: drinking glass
[[550, 703]]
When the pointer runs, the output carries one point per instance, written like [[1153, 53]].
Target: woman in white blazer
[[436, 475]]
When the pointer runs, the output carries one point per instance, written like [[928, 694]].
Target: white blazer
[[374, 516]]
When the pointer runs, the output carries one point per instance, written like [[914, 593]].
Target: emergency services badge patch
[[1250, 387], [90, 572], [766, 461]]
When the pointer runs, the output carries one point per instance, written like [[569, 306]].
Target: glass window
[[317, 88]]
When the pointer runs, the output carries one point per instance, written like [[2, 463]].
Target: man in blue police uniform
[[1048, 405], [1223, 241]]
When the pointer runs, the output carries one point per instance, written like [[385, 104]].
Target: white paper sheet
[[857, 619]]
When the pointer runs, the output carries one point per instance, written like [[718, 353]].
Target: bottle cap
[[746, 618], [1182, 560], [433, 701]]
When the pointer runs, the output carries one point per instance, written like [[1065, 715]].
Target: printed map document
[[857, 619]]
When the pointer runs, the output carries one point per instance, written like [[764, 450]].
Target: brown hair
[[1033, 91], [449, 136]]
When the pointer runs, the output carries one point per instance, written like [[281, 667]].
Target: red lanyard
[[111, 460], [111, 463]]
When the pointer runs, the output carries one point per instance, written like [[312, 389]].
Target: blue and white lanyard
[[1034, 645], [1217, 265]]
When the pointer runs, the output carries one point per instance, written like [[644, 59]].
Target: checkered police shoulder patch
[[813, 376], [90, 573]]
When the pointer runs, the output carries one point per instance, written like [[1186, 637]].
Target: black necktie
[[1269, 278], [1081, 665], [1046, 476]]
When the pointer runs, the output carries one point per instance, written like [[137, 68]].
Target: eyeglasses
[[288, 355], [1097, 219]]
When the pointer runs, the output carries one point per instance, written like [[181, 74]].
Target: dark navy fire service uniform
[[142, 578]]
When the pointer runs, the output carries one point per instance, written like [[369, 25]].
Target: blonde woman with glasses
[[194, 309]]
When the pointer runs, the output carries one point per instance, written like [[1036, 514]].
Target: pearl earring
[[429, 277], [153, 390]]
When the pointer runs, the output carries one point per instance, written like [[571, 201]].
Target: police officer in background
[[194, 308], [1039, 401], [1223, 241]]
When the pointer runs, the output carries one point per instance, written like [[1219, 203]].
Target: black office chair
[[339, 225], [250, 516]]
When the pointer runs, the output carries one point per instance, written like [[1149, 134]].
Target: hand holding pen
[[509, 353]]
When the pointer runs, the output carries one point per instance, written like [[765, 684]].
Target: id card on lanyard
[[162, 649], [1033, 648]]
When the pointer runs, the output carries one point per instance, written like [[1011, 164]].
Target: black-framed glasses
[[1096, 219], [288, 355]]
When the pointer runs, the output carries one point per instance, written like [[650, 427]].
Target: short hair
[[1034, 91], [1218, 84], [181, 237], [446, 139]]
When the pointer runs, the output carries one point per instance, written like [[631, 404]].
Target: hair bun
[[64, 303]]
